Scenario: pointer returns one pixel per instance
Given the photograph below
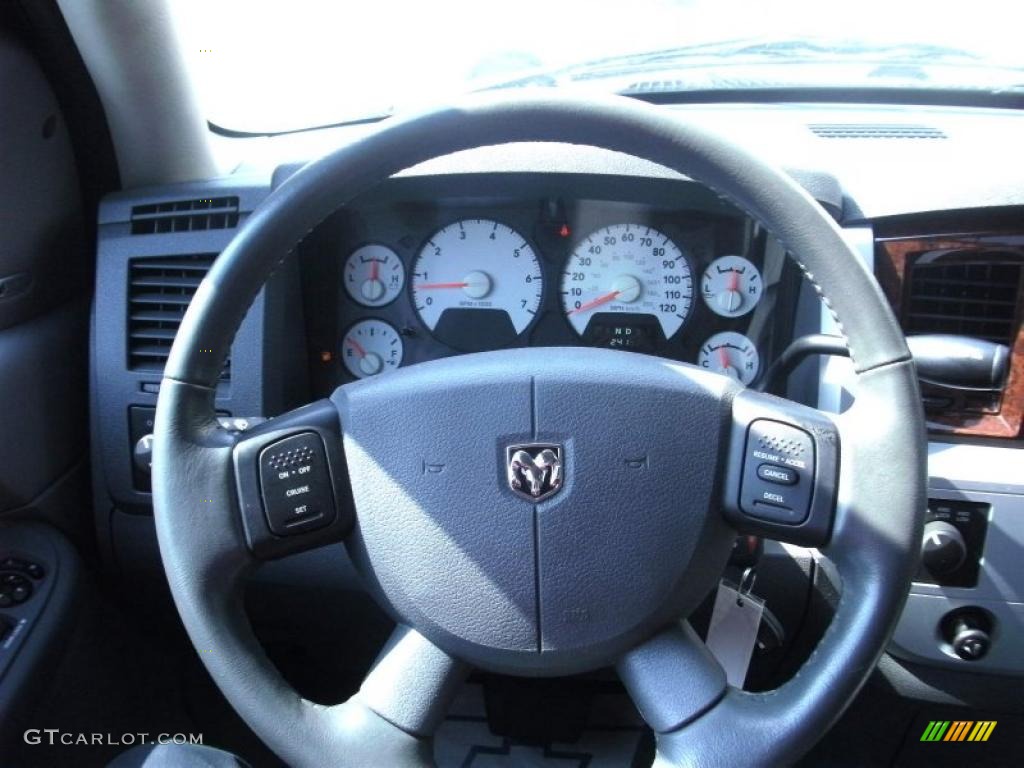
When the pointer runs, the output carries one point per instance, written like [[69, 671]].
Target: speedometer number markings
[[628, 268]]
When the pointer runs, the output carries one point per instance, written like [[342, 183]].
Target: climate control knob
[[943, 549]]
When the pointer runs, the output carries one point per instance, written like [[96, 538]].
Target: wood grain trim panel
[[893, 258]]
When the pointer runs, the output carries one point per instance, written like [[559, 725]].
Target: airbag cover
[[629, 540]]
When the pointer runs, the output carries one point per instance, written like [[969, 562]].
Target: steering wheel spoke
[[292, 482], [672, 678], [782, 470], [412, 682]]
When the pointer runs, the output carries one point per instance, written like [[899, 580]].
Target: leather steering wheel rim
[[878, 513]]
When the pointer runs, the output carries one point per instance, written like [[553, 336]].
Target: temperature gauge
[[732, 286], [732, 354], [371, 347], [374, 275]]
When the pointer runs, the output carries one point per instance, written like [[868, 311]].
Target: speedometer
[[476, 284], [628, 268]]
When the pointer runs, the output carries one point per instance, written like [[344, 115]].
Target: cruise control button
[[778, 472], [775, 513], [773, 473], [296, 484]]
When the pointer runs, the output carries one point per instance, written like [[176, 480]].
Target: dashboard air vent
[[185, 216], [973, 298], [874, 131], [159, 291]]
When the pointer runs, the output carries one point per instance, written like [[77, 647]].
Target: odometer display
[[628, 268]]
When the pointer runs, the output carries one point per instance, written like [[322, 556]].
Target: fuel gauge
[[732, 354], [374, 275], [731, 286], [371, 347]]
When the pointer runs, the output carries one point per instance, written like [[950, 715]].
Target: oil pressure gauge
[[732, 354], [371, 347], [374, 275], [732, 286]]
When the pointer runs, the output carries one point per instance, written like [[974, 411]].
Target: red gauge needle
[[734, 281], [356, 346], [434, 286], [374, 269], [723, 357], [596, 302]]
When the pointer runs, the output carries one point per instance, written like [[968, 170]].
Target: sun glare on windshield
[[278, 66]]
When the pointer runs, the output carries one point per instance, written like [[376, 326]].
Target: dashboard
[[427, 271], [362, 279]]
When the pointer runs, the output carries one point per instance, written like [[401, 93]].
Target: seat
[[176, 756]]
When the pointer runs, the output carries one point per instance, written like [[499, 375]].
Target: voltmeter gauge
[[371, 347], [374, 275], [732, 354], [731, 286]]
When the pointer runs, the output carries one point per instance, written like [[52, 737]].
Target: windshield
[[261, 66]]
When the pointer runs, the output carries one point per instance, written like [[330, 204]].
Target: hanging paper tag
[[733, 631]]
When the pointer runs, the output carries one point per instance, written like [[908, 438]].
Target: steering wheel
[[491, 553]]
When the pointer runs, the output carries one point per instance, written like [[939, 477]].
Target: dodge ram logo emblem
[[535, 470]]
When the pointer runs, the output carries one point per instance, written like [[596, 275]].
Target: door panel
[[45, 270]]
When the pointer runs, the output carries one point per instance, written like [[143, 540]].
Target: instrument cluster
[[417, 281]]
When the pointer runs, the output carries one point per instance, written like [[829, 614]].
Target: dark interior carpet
[[585, 722]]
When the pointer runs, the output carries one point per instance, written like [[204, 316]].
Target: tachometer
[[476, 283], [628, 268]]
